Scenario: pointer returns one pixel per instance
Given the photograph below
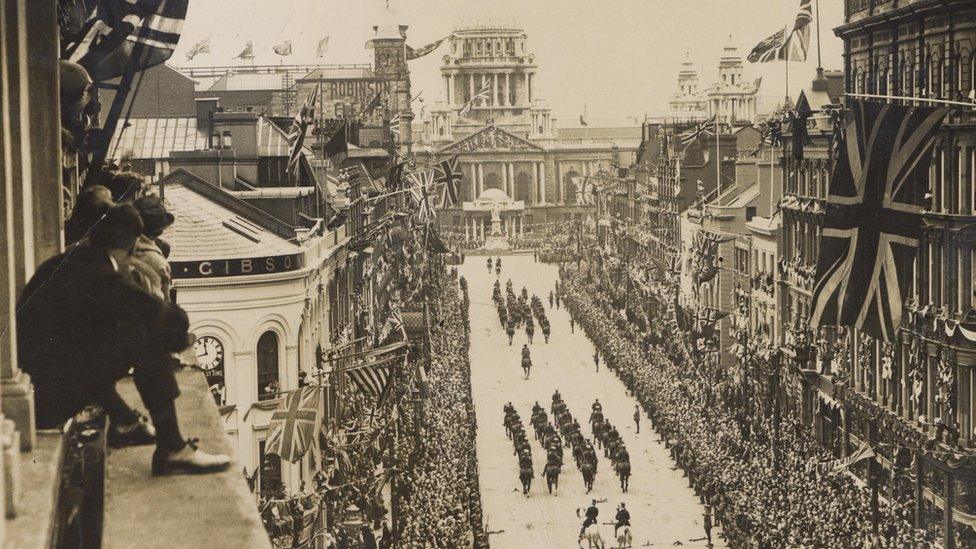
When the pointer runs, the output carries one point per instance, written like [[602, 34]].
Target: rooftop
[[146, 138], [206, 230]]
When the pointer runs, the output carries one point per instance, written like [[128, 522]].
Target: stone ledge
[[39, 475], [142, 511]]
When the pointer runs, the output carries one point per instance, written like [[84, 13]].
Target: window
[[750, 212], [268, 366], [270, 473]]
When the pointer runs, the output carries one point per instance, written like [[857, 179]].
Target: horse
[[589, 474], [551, 473], [526, 366], [623, 471], [593, 537], [598, 427], [525, 475], [625, 538]]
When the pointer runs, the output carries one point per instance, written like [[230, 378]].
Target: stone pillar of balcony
[[16, 392]]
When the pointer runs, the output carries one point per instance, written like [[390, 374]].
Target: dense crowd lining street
[[663, 508]]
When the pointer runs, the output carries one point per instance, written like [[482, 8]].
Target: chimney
[[206, 106]]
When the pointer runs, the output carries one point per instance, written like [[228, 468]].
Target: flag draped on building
[[114, 29], [299, 126], [292, 429], [202, 46], [420, 52], [786, 44], [482, 95], [448, 172], [322, 48], [872, 223], [701, 129], [283, 48], [372, 375]]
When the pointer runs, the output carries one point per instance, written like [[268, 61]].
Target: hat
[[154, 214], [119, 228]]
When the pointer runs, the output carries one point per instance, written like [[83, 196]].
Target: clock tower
[[390, 63]]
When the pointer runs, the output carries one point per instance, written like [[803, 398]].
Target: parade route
[[664, 510]]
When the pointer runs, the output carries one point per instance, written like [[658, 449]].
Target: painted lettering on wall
[[236, 267]]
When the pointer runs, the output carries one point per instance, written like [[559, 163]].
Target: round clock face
[[209, 351]]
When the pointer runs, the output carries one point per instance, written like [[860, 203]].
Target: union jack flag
[[448, 172], [420, 195], [482, 95], [292, 429], [702, 129], [299, 126], [108, 38], [784, 44], [872, 222]]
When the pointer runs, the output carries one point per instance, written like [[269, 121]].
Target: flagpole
[[816, 5], [718, 157], [100, 151]]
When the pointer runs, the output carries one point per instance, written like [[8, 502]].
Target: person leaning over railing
[[82, 324]]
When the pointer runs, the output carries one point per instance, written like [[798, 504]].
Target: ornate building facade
[[509, 141], [731, 99]]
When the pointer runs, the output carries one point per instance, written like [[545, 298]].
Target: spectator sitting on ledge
[[82, 324]]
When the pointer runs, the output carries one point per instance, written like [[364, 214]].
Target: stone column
[[535, 175], [508, 88], [511, 178], [471, 84], [15, 203], [450, 89], [542, 183], [481, 179], [504, 177], [474, 181], [528, 87], [494, 89]]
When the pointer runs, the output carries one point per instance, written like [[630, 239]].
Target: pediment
[[491, 139]]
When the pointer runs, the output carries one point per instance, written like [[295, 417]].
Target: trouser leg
[[156, 382], [115, 406]]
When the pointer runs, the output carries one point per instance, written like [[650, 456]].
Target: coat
[[81, 325]]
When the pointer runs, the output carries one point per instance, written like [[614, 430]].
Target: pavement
[[664, 510]]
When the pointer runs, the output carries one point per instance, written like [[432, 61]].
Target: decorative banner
[[842, 464]]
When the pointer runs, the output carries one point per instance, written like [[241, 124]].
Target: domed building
[[509, 141]]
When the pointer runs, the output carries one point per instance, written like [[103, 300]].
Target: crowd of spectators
[[441, 505], [759, 504]]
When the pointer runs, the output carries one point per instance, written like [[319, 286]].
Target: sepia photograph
[[472, 274]]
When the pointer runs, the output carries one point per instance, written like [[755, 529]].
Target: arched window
[[881, 85], [492, 181], [935, 76], [908, 77], [268, 383]]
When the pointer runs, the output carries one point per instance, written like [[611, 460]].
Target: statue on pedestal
[[496, 220]]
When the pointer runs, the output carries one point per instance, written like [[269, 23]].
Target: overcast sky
[[618, 57]]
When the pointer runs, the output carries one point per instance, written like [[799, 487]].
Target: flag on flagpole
[[283, 48], [420, 195], [395, 125], [701, 129], [371, 106], [449, 173], [873, 217], [420, 52], [787, 44], [299, 126], [372, 377], [202, 46], [482, 94], [292, 428], [114, 27], [322, 48], [247, 52]]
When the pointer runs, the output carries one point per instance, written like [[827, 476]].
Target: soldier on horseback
[[592, 513], [622, 518]]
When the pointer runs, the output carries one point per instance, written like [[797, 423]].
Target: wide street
[[663, 508]]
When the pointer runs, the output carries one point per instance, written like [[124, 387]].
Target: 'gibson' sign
[[215, 268]]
